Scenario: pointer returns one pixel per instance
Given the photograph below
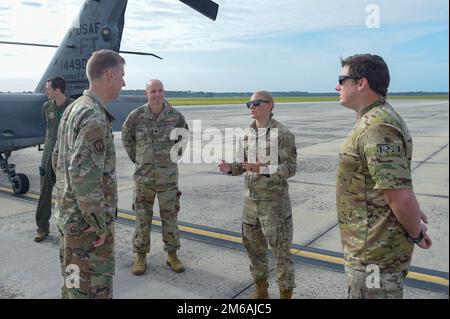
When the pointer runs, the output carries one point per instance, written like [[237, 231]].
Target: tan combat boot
[[40, 236], [286, 293], [261, 290], [140, 264], [174, 262]]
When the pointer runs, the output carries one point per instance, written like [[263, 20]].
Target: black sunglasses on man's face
[[342, 78], [256, 103]]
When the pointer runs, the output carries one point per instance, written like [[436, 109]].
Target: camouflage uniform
[[51, 113], [146, 138], [267, 216], [84, 162], [375, 156]]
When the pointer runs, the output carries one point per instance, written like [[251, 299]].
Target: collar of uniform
[[66, 101], [61, 108], [271, 123], [381, 101], [160, 115], [254, 131], [63, 105], [100, 101]]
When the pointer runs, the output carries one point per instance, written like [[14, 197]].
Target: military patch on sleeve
[[99, 146], [389, 149], [96, 139]]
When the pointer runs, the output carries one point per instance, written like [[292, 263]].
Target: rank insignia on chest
[[52, 116]]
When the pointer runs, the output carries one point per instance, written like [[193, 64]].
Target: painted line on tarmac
[[418, 277]]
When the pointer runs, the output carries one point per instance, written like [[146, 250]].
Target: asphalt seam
[[431, 156], [17, 214]]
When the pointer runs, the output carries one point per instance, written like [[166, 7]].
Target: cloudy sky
[[285, 45]]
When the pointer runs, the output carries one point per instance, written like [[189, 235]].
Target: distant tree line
[[202, 94]]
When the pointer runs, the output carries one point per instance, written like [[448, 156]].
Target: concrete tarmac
[[214, 201]]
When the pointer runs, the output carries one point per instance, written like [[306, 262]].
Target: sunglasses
[[342, 78], [256, 103]]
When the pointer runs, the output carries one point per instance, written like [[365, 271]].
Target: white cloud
[[177, 27], [167, 27]]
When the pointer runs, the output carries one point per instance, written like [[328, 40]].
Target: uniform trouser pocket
[[43, 211], [268, 229], [374, 285], [280, 243], [80, 251], [169, 205], [88, 270], [143, 201], [256, 245], [93, 286]]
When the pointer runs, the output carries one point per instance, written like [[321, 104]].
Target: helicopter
[[98, 25]]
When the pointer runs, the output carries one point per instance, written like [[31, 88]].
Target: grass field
[[243, 100]]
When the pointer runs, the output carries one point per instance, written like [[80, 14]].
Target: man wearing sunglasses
[[379, 217], [267, 218]]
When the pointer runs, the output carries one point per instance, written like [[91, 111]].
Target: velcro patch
[[93, 134], [99, 146], [388, 149]]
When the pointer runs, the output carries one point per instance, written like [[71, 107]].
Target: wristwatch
[[416, 240]]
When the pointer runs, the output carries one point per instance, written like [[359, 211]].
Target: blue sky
[[286, 45]]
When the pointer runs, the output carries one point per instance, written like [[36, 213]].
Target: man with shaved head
[[146, 138]]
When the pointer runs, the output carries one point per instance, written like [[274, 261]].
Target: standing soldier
[[379, 217], [85, 164], [267, 217], [146, 138], [52, 111]]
